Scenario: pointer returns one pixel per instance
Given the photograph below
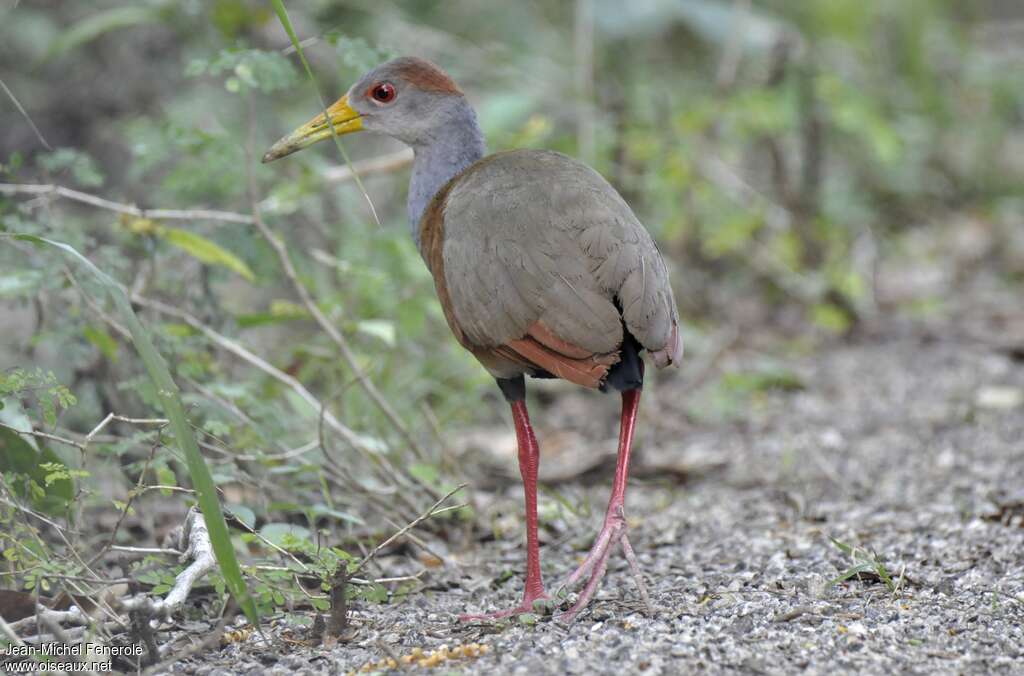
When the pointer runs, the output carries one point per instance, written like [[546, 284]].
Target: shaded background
[[811, 171]]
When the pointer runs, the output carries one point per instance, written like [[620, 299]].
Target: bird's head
[[408, 99]]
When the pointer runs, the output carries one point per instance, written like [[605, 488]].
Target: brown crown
[[425, 75]]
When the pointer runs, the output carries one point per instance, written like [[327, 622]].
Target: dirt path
[[910, 448]]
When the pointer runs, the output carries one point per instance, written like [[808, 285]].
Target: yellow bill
[[340, 115]]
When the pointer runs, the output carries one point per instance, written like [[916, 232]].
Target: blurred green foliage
[[766, 144]]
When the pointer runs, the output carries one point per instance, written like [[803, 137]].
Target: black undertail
[[514, 389], [626, 374]]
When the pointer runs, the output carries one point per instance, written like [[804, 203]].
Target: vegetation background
[[782, 153]]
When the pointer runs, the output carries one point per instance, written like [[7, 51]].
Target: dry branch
[[415, 522], [347, 355], [222, 341], [241, 352], [376, 165], [384, 164], [121, 207], [195, 539]]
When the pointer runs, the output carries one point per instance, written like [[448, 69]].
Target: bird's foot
[[613, 532], [533, 604]]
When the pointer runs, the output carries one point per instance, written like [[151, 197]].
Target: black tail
[[628, 374]]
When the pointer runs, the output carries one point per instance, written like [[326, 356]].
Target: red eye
[[383, 92]]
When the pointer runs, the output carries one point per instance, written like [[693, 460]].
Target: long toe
[[597, 561], [595, 566]]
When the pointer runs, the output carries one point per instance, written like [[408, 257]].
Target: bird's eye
[[383, 92]]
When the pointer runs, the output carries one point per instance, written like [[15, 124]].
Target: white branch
[[120, 207], [195, 539], [375, 165]]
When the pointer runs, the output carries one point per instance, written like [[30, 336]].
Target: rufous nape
[[541, 268]]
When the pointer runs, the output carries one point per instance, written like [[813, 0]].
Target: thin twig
[[241, 352], [44, 435], [328, 327], [131, 495], [24, 113], [347, 355], [413, 538], [776, 217], [402, 531], [146, 550], [384, 164], [121, 207], [73, 635], [120, 418], [95, 307]]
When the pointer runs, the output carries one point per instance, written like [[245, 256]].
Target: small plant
[[866, 566]]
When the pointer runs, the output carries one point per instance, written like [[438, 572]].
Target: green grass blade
[[282, 15], [170, 402], [852, 572]]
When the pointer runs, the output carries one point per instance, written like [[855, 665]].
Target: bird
[[541, 269]]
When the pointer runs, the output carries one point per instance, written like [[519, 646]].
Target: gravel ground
[[908, 447]]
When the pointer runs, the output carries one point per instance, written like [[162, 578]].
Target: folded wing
[[540, 264]]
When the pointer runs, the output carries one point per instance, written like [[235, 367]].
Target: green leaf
[[383, 329], [170, 401], [281, 534], [205, 250], [244, 514], [428, 474], [842, 546], [324, 510], [248, 68], [375, 593], [81, 166], [830, 317], [851, 572], [96, 25], [102, 340], [20, 282], [19, 456], [280, 311]]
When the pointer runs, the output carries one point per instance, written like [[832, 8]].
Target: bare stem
[[402, 531]]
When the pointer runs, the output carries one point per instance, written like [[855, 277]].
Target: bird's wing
[[539, 261]]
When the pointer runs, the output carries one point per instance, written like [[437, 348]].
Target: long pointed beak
[[340, 116]]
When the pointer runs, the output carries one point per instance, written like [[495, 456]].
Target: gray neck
[[449, 149]]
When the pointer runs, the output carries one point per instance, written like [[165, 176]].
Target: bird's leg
[[613, 531], [529, 460]]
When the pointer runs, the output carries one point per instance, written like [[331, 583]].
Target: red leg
[[614, 529], [529, 460]]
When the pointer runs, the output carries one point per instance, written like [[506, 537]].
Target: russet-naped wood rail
[[540, 266]]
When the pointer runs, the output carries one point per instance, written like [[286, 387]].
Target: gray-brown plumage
[[537, 247], [540, 266]]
